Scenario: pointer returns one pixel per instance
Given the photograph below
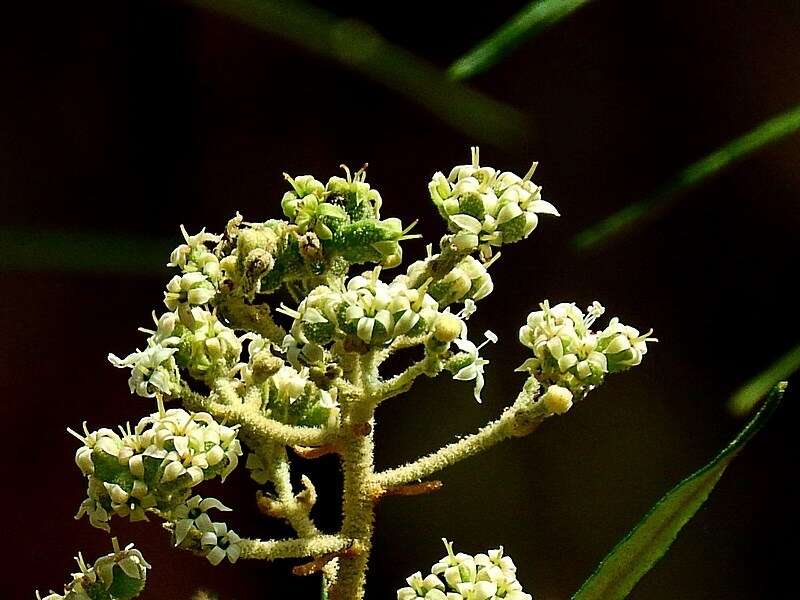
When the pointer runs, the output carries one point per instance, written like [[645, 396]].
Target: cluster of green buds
[[120, 575], [568, 354], [154, 466], [345, 216], [490, 576], [486, 208]]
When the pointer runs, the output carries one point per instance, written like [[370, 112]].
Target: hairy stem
[[298, 548], [358, 512], [255, 427], [358, 502], [519, 419]]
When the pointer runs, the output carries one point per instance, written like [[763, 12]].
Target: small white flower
[[192, 514], [474, 369], [152, 370], [289, 383], [220, 543]]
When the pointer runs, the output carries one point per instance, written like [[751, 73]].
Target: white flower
[[192, 514], [152, 370], [192, 289], [429, 588], [464, 577], [455, 568], [567, 353], [220, 544], [474, 369], [289, 383], [194, 255], [486, 208], [129, 560]]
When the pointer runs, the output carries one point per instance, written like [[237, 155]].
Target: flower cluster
[[469, 279], [120, 575], [367, 309], [486, 208], [194, 339], [153, 466], [489, 576], [194, 256], [567, 353]]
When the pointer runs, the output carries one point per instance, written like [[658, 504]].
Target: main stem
[[358, 512]]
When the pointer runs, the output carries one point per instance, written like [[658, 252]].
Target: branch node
[[411, 489], [310, 452], [270, 506], [316, 565]]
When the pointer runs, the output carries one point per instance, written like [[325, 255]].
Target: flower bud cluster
[[489, 576], [567, 353], [345, 216], [485, 208], [292, 393], [153, 466], [120, 575]]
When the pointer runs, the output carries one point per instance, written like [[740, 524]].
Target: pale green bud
[[557, 399]]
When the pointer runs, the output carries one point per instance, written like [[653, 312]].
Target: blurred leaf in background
[[362, 49], [636, 554], [531, 20], [637, 213]]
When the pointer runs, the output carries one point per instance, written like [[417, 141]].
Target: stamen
[[530, 172], [285, 310], [491, 336], [78, 435], [476, 152]]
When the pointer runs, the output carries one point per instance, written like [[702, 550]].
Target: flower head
[[568, 354], [485, 208]]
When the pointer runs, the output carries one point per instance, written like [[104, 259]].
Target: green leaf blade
[[531, 20], [636, 554]]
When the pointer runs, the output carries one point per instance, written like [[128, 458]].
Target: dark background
[[129, 118]]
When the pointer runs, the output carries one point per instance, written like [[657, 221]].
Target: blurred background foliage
[[120, 120]]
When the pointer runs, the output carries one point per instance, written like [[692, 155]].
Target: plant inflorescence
[[273, 338]]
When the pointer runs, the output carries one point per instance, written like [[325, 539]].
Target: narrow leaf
[[82, 251], [534, 18], [634, 214], [362, 49], [323, 593], [747, 396], [635, 555]]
